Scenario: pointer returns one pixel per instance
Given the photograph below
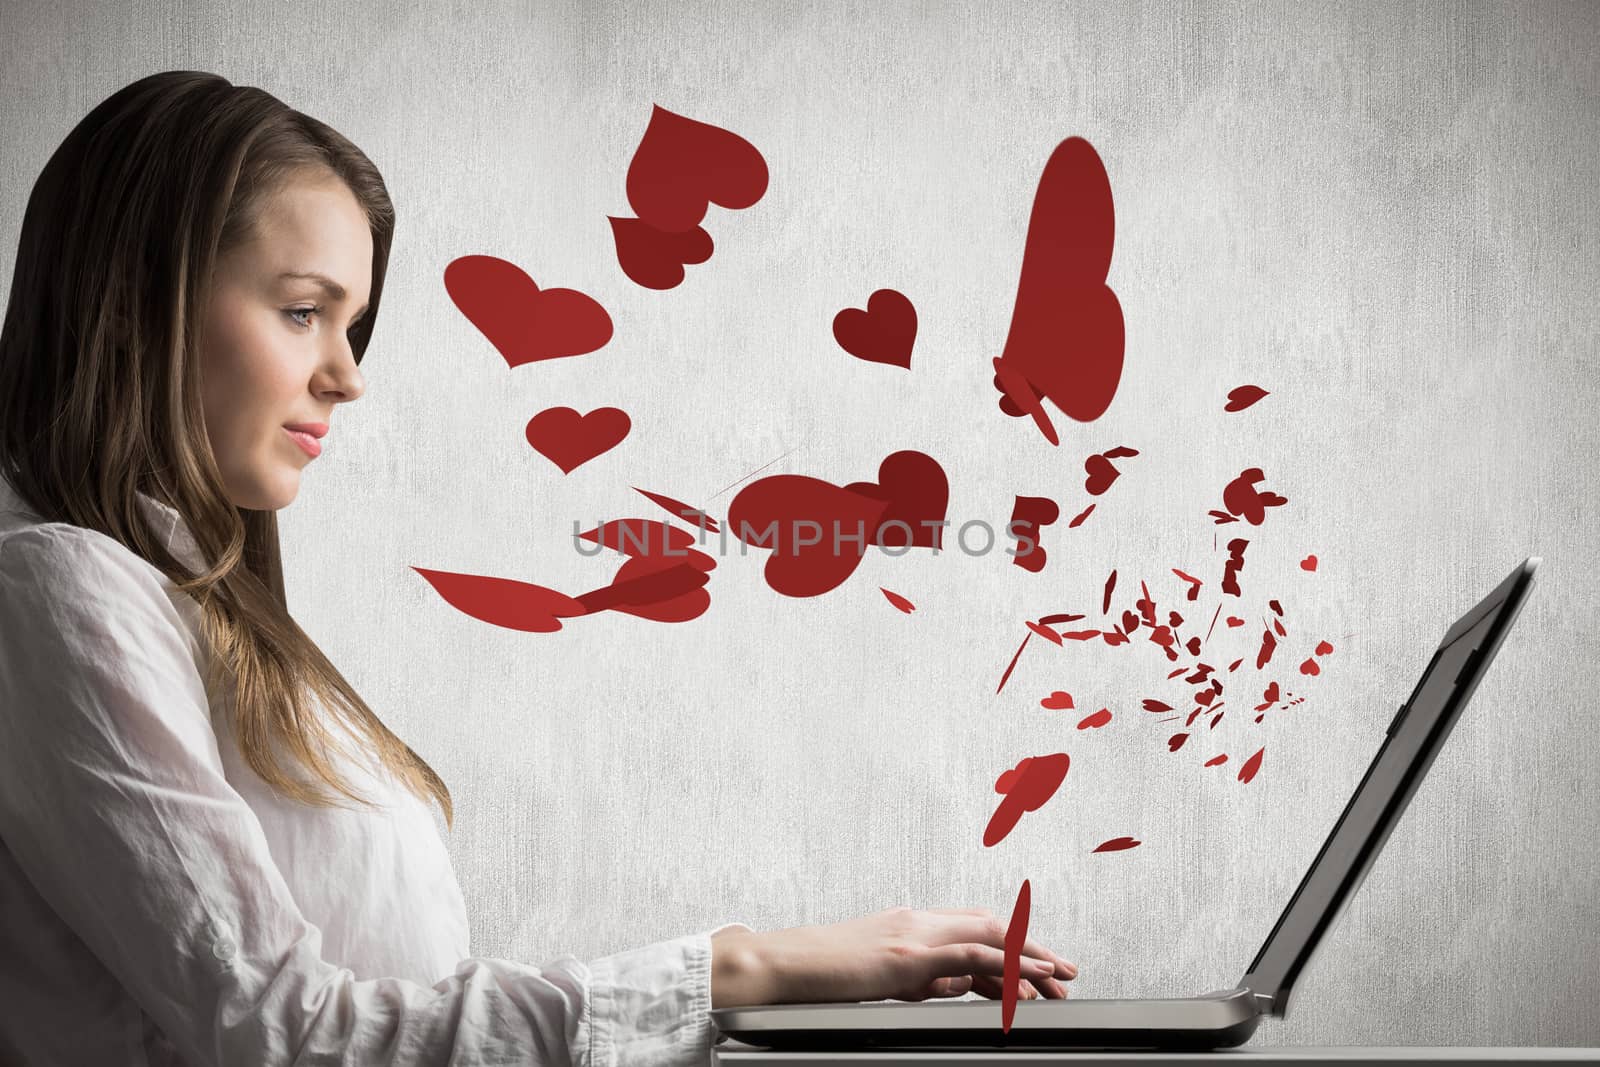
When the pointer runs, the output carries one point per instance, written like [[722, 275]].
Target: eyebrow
[[329, 286]]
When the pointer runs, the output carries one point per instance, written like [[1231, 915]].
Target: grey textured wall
[[1385, 214]]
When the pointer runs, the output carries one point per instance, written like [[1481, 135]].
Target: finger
[[987, 985], [987, 931], [975, 959], [952, 987]]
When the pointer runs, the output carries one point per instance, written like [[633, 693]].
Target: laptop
[[1219, 1019]]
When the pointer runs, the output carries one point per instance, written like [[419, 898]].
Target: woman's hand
[[896, 954]]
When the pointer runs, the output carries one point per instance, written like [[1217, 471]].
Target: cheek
[[247, 373]]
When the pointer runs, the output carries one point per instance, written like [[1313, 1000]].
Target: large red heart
[[1066, 338], [655, 258], [915, 489], [883, 333], [768, 513], [525, 323], [682, 165], [570, 440]]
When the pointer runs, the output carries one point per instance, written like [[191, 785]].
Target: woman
[[199, 273]]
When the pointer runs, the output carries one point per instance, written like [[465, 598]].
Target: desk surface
[[732, 1053]]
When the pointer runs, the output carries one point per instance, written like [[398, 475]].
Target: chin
[[266, 497]]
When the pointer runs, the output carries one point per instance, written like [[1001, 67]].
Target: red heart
[[661, 588], [883, 333], [915, 488], [1102, 472], [1309, 563], [767, 512], [524, 322], [1057, 700], [569, 439], [1067, 337], [655, 258], [682, 165]]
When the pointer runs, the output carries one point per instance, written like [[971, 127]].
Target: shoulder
[[55, 571]]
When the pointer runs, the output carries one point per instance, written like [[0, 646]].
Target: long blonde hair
[[100, 383]]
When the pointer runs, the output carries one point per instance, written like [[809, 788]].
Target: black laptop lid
[[1413, 740]]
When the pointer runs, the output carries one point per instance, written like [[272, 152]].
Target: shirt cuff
[[650, 1006]]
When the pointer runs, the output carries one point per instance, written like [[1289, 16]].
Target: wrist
[[741, 972]]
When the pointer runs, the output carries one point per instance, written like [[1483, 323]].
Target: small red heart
[[1101, 474], [681, 165], [655, 258], [883, 333], [1309, 563], [525, 323], [1057, 701], [570, 440]]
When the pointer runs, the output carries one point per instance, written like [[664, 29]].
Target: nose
[[339, 377]]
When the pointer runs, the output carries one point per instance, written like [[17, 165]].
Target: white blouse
[[161, 905]]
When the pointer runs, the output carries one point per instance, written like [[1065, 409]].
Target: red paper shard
[[1242, 396], [1079, 517], [1216, 760], [1194, 584], [1118, 844], [1051, 620], [1095, 720], [1059, 700], [504, 602], [1045, 632], [898, 601], [1105, 600], [1011, 962], [1251, 765], [1152, 704], [1013, 664], [1268, 643], [692, 515], [1231, 569]]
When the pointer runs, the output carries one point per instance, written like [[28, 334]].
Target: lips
[[306, 441]]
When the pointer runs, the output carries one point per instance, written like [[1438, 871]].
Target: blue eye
[[292, 312]]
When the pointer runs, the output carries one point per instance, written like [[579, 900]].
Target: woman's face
[[273, 350]]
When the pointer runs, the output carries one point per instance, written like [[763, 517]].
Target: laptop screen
[[1414, 738]]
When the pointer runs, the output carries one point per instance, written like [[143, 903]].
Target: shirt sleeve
[[114, 802]]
